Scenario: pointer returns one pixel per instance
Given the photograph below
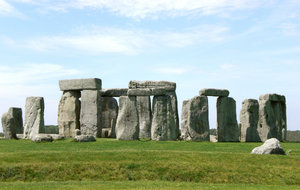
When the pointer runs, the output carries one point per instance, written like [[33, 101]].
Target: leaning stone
[[195, 125], [90, 113], [152, 84], [12, 123], [144, 111], [84, 138], [42, 138], [271, 146], [114, 92], [227, 128], [69, 113], [127, 127], [80, 84], [163, 126], [249, 121], [213, 92], [34, 117], [109, 115]]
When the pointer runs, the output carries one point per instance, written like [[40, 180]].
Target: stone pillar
[[194, 119], [227, 128], [144, 110], [174, 101], [69, 113], [127, 127], [109, 115], [249, 121], [34, 117], [12, 123], [90, 113], [163, 122]]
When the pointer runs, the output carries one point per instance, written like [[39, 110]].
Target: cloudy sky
[[250, 47]]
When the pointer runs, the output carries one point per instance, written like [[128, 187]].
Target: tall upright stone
[[109, 113], [227, 128], [194, 119], [127, 127], [34, 117], [69, 113], [12, 123], [90, 113], [272, 117], [163, 122], [249, 121], [144, 110], [174, 101]]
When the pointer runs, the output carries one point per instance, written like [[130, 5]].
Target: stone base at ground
[[42, 138], [271, 146], [84, 138]]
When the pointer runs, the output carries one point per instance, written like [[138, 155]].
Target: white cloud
[[6, 8], [290, 29]]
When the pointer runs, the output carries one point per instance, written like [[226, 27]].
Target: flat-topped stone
[[148, 91], [152, 84], [114, 92], [272, 97], [80, 84], [213, 92]]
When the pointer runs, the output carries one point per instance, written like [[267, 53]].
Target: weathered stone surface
[[249, 121], [34, 117], [194, 119], [56, 136], [213, 138], [271, 146], [227, 128], [80, 84], [42, 138], [175, 112], [90, 113], [114, 92], [77, 132], [106, 133], [84, 138], [20, 136], [272, 117], [213, 92], [109, 115], [144, 112], [12, 123], [69, 113], [163, 122], [169, 86], [127, 127], [147, 92]]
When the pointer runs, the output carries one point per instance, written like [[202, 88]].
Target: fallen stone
[[84, 138], [170, 86], [42, 138], [213, 138], [271, 146], [144, 112], [114, 92], [213, 92], [57, 136], [80, 84], [12, 123], [109, 115]]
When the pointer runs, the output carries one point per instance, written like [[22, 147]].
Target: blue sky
[[250, 47]]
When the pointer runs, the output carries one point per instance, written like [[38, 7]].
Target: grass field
[[112, 164]]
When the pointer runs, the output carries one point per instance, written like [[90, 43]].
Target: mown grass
[[118, 163]]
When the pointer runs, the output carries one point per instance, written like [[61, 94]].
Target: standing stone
[[249, 120], [272, 117], [163, 121], [144, 110], [12, 123], [227, 128], [69, 113], [34, 117], [90, 113], [109, 113], [194, 119], [175, 112], [127, 127]]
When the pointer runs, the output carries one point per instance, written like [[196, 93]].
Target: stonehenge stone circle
[[249, 121], [69, 113], [227, 128], [272, 117], [127, 127], [12, 123], [109, 113], [80, 84], [271, 146], [194, 119], [144, 111], [213, 92], [42, 138], [147, 92], [114, 92], [169, 86], [34, 117]]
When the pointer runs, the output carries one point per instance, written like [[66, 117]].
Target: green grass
[[145, 164]]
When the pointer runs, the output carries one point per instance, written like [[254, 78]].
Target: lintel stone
[[152, 84], [272, 97], [114, 92], [213, 92], [80, 84], [147, 92]]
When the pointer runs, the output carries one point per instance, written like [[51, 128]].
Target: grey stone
[[12, 123], [56, 136], [271, 146], [227, 126], [34, 117], [106, 133], [84, 138], [249, 121], [163, 122], [213, 92], [213, 138], [77, 132], [90, 113], [42, 138], [114, 92], [69, 113], [147, 92], [272, 117], [194, 119], [109, 115], [80, 84], [127, 127], [20, 136], [144, 112], [175, 112], [169, 86]]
